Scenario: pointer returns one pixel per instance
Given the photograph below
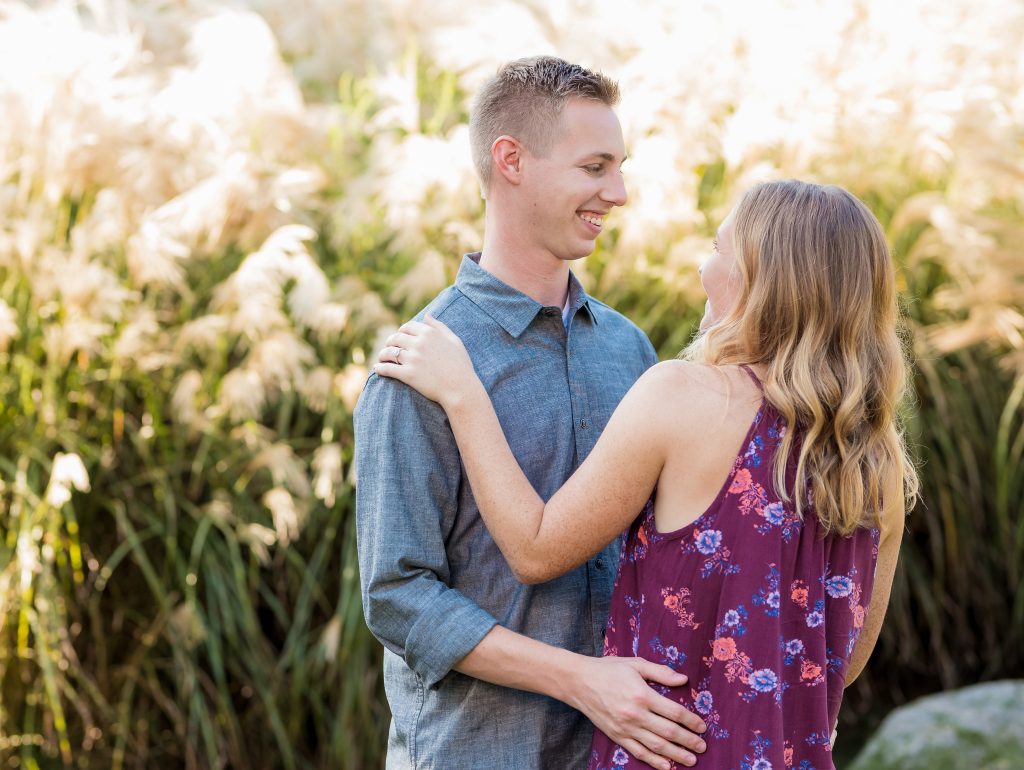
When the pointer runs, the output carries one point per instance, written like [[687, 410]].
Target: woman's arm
[[593, 507], [885, 570]]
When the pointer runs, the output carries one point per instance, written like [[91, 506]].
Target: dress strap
[[754, 377]]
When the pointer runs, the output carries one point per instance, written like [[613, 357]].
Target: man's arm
[[612, 692], [408, 477]]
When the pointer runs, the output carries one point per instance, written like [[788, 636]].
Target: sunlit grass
[[201, 245]]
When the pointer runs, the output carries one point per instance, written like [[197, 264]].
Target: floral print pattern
[[755, 607]]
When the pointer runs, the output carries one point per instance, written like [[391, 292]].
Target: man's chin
[[580, 252]]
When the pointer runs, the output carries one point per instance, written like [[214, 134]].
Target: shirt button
[[583, 423], [599, 563]]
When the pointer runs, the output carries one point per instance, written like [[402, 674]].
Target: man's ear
[[507, 154]]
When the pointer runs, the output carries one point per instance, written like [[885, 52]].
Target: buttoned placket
[[585, 437]]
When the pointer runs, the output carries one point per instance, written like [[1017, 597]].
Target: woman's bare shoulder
[[685, 387]]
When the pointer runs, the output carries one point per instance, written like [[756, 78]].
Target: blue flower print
[[818, 739], [792, 649], [763, 680], [752, 458], [669, 656], [620, 757], [704, 702], [768, 596], [756, 760], [839, 586], [816, 616], [774, 513], [734, 622], [707, 542]]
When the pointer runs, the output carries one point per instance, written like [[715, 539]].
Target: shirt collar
[[510, 308]]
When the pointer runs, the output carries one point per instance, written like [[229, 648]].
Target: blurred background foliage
[[212, 212]]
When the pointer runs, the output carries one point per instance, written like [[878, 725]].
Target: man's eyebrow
[[609, 157]]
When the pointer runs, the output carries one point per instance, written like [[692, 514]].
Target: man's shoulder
[[383, 393], [446, 303], [611, 321]]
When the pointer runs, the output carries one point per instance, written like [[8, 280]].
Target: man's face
[[571, 190]]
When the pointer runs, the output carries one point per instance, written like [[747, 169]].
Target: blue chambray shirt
[[434, 582]]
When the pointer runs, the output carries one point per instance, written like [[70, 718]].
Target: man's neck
[[541, 277]]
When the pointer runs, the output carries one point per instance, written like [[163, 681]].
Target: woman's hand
[[431, 358]]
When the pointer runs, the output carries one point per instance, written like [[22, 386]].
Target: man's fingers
[[639, 751], [654, 672], [671, 732], [675, 712]]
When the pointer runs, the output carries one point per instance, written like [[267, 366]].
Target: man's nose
[[615, 191]]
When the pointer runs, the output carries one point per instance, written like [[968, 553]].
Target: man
[[482, 671]]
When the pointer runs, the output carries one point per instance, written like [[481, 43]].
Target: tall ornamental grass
[[210, 216]]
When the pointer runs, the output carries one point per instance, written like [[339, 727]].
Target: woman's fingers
[[413, 328], [443, 329], [394, 371], [400, 339], [395, 346]]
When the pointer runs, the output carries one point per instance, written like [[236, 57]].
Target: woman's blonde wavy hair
[[818, 306]]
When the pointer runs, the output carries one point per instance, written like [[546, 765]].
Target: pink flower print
[[798, 593], [675, 602], [858, 616], [809, 670], [740, 482], [723, 648]]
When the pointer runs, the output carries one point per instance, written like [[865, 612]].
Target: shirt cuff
[[444, 634]]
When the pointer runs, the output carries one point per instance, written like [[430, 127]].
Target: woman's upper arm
[[611, 486]]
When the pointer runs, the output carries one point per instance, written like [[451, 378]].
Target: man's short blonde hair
[[525, 100]]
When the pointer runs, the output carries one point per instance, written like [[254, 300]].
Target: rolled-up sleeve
[[408, 476]]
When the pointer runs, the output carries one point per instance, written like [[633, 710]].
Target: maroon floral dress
[[758, 610]]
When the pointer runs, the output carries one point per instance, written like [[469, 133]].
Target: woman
[[768, 470]]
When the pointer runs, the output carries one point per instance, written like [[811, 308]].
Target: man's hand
[[615, 696]]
